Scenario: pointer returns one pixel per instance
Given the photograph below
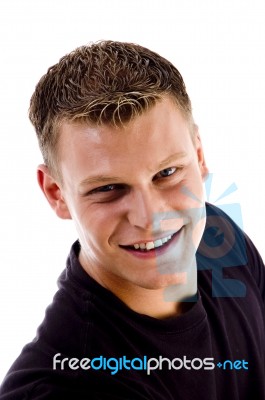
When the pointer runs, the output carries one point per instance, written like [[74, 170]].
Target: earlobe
[[52, 192]]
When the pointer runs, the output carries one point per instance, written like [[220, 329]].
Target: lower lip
[[157, 251]]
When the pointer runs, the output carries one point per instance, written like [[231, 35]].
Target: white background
[[218, 46]]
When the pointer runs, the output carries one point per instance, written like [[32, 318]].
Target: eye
[[165, 172], [104, 189], [107, 193]]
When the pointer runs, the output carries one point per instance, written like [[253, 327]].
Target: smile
[[152, 245], [148, 246]]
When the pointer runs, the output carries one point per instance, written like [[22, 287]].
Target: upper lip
[[161, 236]]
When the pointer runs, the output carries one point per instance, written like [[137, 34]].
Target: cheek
[[96, 224], [197, 232], [193, 188], [189, 195]]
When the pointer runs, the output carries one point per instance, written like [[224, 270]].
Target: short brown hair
[[102, 83]]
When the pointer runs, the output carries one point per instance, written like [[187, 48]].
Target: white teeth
[[158, 243], [152, 245]]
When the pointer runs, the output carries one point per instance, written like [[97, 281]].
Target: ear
[[200, 154], [52, 192]]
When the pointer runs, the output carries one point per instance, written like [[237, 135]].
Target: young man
[[163, 295]]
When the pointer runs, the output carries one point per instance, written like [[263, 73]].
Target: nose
[[143, 208]]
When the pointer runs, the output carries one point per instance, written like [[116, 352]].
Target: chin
[[162, 282]]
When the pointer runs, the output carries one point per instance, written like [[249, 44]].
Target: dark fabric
[[226, 322]]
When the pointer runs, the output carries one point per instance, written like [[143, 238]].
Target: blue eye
[[166, 172]]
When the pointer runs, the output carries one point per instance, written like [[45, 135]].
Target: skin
[[134, 184]]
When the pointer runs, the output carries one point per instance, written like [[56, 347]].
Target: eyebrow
[[173, 157], [99, 178], [113, 179]]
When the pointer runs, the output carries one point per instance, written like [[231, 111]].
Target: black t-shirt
[[215, 350]]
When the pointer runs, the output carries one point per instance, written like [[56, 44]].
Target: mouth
[[152, 248]]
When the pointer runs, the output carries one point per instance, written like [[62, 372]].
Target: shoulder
[[63, 331]]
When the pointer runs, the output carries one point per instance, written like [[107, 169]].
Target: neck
[[154, 303], [161, 303]]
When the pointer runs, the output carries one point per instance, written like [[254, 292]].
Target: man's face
[[129, 189]]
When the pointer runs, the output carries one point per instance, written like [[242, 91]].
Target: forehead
[[148, 138]]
